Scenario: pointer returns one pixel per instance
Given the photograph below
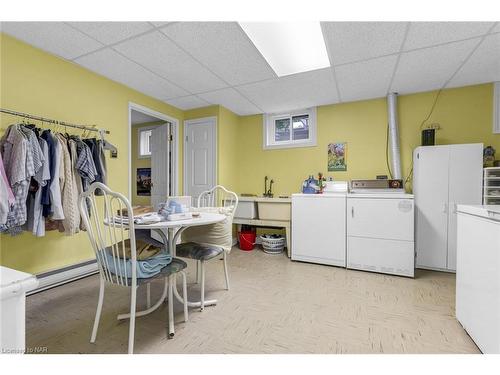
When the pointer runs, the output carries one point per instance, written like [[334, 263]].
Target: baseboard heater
[[65, 275]]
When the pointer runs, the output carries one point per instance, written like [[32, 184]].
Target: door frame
[[212, 119], [175, 144]]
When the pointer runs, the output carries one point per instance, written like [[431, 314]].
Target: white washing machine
[[380, 233]]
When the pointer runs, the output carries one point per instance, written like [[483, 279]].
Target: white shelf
[[491, 181]]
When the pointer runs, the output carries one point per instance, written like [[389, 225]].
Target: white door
[[160, 164], [199, 156], [318, 229], [430, 186], [465, 184]]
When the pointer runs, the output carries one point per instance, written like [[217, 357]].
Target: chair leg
[[98, 312], [197, 272], [202, 269], [131, 331], [184, 295], [148, 295], [226, 275], [171, 330]]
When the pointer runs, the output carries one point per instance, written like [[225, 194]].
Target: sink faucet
[[268, 193]]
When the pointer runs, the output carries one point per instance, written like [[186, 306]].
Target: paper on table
[[149, 218]]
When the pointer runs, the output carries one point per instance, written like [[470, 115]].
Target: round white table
[[174, 230]]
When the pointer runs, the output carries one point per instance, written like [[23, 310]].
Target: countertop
[[264, 199], [358, 195], [487, 211]]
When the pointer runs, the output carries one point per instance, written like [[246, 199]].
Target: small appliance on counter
[[428, 137], [377, 186], [310, 186], [314, 186], [336, 187]]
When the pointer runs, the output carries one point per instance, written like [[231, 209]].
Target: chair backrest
[[219, 196], [109, 233]]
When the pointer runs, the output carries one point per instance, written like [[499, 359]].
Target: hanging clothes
[[36, 221], [6, 196], [42, 174], [97, 155], [102, 161], [69, 193], [46, 190], [85, 164], [23, 158]]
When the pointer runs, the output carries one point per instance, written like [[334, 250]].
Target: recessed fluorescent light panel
[[289, 47]]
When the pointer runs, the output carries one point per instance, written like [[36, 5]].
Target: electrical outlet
[[435, 126]]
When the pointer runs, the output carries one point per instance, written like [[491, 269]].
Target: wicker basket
[[273, 243]]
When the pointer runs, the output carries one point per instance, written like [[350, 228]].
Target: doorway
[[200, 156], [153, 156]]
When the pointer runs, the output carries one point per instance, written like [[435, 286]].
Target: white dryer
[[380, 233]]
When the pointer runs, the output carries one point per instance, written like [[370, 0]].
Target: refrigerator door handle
[[445, 207]]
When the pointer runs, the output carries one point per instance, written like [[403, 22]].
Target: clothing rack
[[55, 122]]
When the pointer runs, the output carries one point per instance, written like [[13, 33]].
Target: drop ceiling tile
[[354, 41], [496, 29], [159, 54], [430, 68], [112, 32], [137, 117], [116, 67], [231, 99], [365, 80], [291, 92], [54, 37], [483, 66], [222, 47], [426, 34], [187, 102]]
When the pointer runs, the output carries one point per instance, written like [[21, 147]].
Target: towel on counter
[[150, 260]]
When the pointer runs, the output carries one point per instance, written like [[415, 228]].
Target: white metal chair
[[206, 243], [111, 239]]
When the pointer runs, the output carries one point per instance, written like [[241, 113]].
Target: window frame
[[139, 131], [496, 108], [269, 127]]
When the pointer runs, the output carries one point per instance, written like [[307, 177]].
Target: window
[[297, 129], [145, 142], [496, 108]]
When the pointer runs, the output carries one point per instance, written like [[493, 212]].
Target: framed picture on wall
[[143, 181], [337, 157]]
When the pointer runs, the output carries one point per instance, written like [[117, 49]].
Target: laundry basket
[[273, 243]]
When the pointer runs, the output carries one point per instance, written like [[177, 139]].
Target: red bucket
[[247, 240]]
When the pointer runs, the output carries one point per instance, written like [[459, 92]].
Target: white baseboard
[[64, 275]]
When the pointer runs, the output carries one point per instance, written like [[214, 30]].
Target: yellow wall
[[465, 115], [138, 162], [36, 82]]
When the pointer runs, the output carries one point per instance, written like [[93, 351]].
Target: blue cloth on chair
[[146, 268]]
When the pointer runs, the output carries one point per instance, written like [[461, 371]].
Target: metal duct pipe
[[395, 151]]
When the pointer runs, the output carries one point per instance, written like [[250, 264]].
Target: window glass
[[282, 130], [145, 142], [300, 127]]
